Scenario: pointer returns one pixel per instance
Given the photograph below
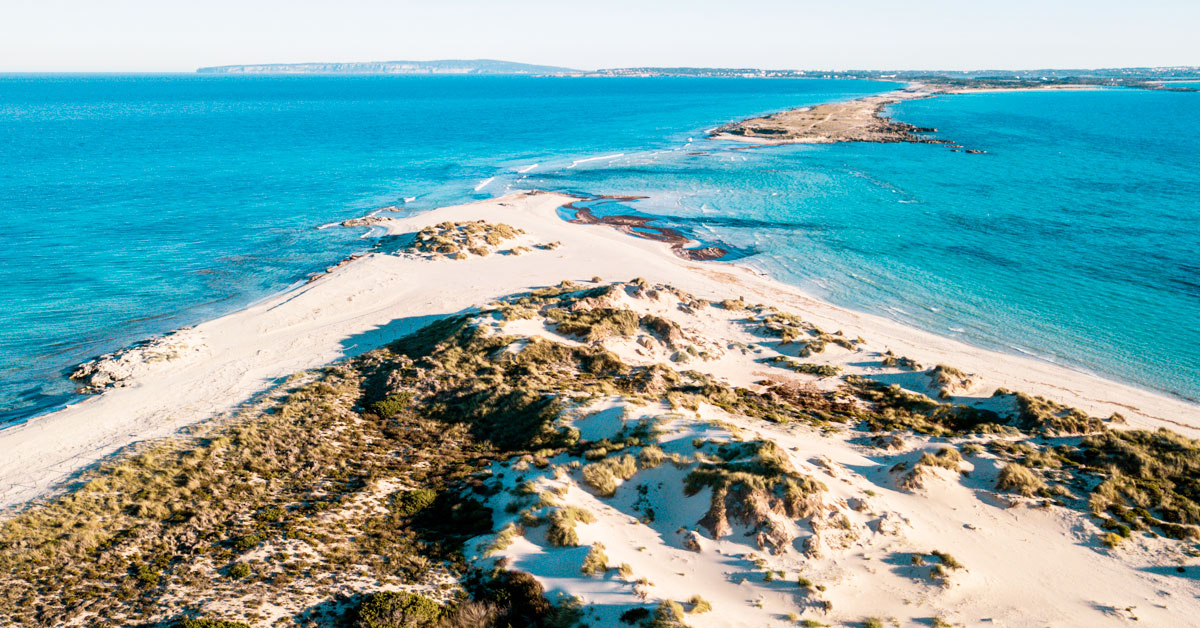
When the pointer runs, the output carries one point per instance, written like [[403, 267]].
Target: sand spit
[[700, 441], [379, 297], [859, 120]]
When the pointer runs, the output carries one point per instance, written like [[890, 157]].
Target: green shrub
[[147, 576], [270, 515], [819, 370], [635, 615], [392, 404], [246, 543], [239, 570], [397, 609], [409, 503], [210, 623]]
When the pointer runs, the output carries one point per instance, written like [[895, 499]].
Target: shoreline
[[379, 297]]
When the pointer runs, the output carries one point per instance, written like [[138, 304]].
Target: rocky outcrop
[[119, 368]]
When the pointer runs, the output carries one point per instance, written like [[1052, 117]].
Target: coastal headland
[[504, 416]]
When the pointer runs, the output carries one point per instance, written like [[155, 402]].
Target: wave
[[584, 161], [484, 183], [526, 169]]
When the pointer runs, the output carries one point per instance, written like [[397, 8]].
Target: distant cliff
[[449, 66]]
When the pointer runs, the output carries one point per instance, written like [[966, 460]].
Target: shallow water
[[1073, 238], [135, 205]]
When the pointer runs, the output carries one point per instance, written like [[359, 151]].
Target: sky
[[181, 35]]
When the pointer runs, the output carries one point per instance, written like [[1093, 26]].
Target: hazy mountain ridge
[[442, 66]]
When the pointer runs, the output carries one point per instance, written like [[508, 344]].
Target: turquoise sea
[[133, 205]]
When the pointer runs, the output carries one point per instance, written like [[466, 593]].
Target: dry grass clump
[[1041, 416], [668, 614], [504, 538], [598, 323], [791, 329], [749, 481], [1151, 479], [699, 605], [808, 368], [456, 239], [945, 563], [895, 361], [602, 476], [894, 408], [945, 458], [1019, 479], [562, 525], [734, 305], [595, 324], [596, 561], [949, 379], [651, 456]]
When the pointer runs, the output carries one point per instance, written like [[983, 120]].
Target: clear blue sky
[[180, 35]]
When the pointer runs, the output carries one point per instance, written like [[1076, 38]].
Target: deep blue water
[[138, 204]]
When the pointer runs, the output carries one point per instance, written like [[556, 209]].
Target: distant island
[[444, 66]]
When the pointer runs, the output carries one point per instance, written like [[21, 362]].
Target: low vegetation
[[458, 239], [596, 561], [350, 487], [748, 480], [1019, 479]]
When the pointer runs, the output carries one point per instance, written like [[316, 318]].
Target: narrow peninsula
[[505, 418]]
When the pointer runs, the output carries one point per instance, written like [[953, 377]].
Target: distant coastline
[[447, 66], [1142, 77]]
